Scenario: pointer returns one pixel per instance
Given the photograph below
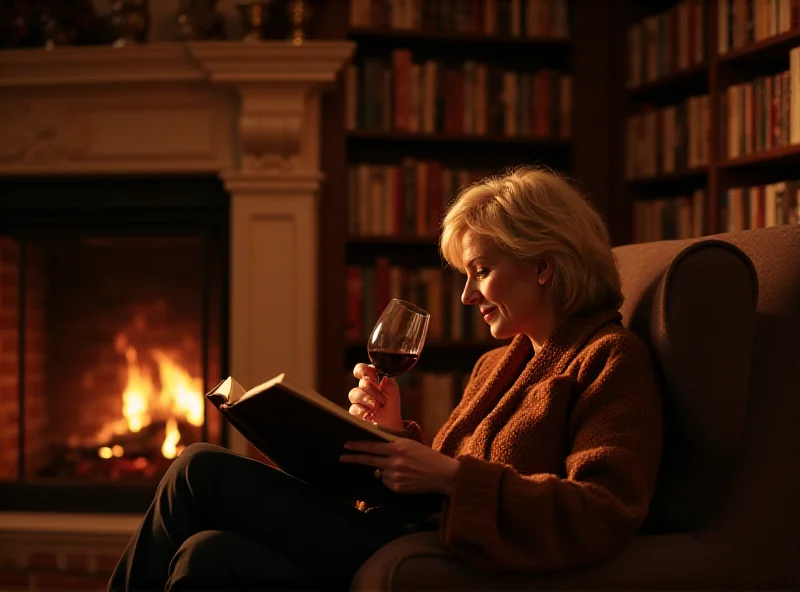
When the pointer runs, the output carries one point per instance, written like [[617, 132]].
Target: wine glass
[[397, 338]]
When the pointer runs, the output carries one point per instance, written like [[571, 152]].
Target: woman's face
[[508, 292]]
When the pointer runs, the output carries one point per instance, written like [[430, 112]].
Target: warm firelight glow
[[170, 446], [175, 395]]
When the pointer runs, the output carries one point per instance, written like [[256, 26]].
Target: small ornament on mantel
[[299, 14], [254, 16], [199, 20], [131, 21]]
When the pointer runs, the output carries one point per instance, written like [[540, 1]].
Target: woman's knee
[[197, 564], [195, 462]]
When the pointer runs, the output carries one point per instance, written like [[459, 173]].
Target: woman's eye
[[481, 273]]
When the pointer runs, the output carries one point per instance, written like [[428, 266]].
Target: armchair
[[722, 318]]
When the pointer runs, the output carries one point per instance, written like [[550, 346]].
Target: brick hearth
[[49, 552]]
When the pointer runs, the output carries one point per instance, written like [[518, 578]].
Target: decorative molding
[[164, 107], [274, 82], [42, 131], [156, 62], [240, 64], [266, 184]]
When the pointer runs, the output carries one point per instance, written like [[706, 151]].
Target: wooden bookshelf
[[666, 181], [379, 240], [585, 56], [786, 155], [763, 156], [775, 47], [410, 37], [691, 80], [395, 137]]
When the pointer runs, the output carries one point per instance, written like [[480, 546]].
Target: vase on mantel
[[130, 20], [199, 20], [254, 15]]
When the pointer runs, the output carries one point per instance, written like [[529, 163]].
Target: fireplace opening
[[113, 300]]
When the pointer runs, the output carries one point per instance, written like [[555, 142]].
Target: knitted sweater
[[559, 451]]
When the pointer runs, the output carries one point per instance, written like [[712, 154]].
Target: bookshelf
[[733, 164], [431, 102]]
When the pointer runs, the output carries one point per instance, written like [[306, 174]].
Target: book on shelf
[[504, 18], [756, 116], [741, 23], [406, 199], [666, 43], [760, 206], [665, 140], [369, 288], [472, 98], [677, 217], [303, 433]]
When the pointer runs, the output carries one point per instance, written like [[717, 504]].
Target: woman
[[548, 462]]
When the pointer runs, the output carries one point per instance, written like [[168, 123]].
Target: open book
[[303, 433]]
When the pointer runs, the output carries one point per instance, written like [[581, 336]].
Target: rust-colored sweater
[[559, 451]]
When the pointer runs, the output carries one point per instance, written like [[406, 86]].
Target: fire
[[176, 395]]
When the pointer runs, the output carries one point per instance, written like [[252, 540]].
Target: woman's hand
[[378, 404], [405, 466]]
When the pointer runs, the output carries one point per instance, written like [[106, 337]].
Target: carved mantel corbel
[[278, 91]]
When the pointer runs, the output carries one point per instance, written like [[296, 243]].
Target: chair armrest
[[420, 562]]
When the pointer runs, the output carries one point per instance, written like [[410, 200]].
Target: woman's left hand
[[405, 465]]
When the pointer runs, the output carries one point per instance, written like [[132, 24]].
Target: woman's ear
[[545, 269]]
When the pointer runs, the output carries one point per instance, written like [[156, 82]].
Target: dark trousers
[[220, 521]]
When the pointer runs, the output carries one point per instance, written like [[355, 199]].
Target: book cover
[[304, 433]]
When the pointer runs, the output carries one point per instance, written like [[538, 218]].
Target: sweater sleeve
[[496, 518]]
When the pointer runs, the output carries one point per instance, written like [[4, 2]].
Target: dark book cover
[[304, 434]]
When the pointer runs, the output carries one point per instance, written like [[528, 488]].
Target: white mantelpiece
[[248, 112]]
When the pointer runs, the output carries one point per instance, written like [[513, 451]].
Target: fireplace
[[112, 327], [186, 165]]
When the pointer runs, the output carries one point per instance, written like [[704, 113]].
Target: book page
[[229, 389]]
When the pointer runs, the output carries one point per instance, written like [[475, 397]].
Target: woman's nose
[[470, 295]]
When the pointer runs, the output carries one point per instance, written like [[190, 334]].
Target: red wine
[[392, 363]]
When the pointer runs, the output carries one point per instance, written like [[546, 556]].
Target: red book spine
[[354, 288]]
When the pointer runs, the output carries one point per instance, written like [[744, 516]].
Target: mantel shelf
[[220, 61]]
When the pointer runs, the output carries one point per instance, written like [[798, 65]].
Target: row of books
[[506, 18], [669, 139], [408, 199], [682, 216], [760, 206], [741, 22], [369, 289], [463, 98], [757, 116], [665, 43]]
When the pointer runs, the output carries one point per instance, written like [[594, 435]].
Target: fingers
[[360, 411], [380, 462], [372, 447], [367, 399], [362, 370]]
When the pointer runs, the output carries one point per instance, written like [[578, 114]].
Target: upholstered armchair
[[722, 317]]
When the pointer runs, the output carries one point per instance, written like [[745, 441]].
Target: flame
[[170, 446], [177, 396], [138, 393]]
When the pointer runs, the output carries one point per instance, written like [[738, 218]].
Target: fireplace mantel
[[247, 112]]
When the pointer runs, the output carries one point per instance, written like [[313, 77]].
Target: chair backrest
[[722, 317]]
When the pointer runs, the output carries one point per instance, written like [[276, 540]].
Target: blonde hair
[[529, 213]]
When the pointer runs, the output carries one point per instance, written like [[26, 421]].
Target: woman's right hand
[[378, 404]]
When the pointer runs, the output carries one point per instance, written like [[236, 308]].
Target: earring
[[541, 281]]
